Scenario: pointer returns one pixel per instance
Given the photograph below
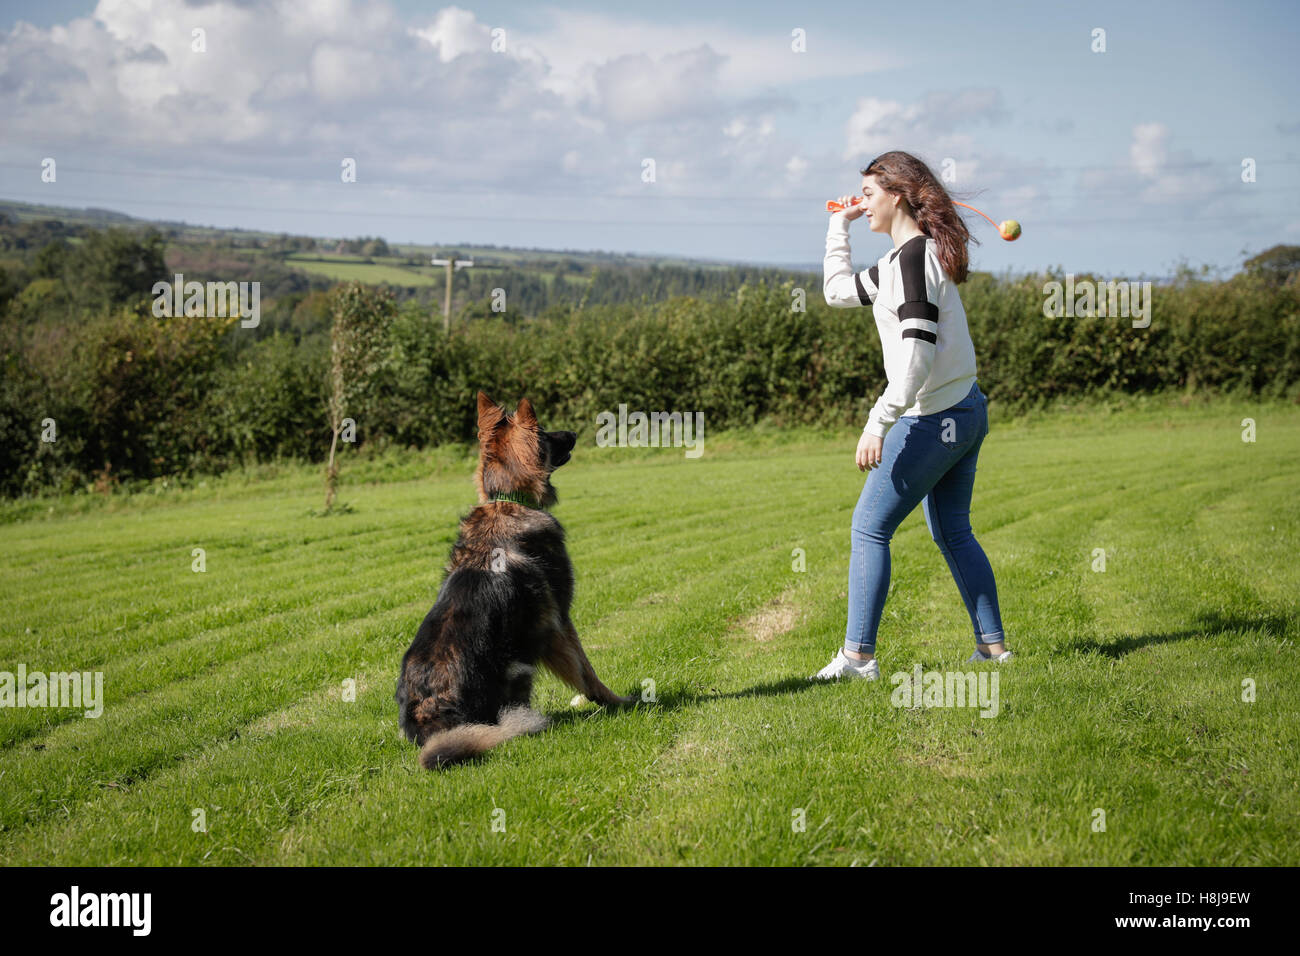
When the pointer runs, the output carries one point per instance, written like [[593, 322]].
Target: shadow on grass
[[673, 700], [1208, 624]]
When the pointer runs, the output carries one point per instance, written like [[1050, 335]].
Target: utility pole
[[446, 302]]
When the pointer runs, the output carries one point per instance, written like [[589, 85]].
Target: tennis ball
[[578, 701], [1010, 229]]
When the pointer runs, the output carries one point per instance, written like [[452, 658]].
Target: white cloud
[[455, 32], [344, 73], [1154, 173], [927, 126], [1147, 150], [635, 89], [577, 41], [587, 95]]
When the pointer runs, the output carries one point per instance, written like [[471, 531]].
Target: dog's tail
[[470, 740]]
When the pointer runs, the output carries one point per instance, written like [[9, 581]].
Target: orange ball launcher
[[1009, 229]]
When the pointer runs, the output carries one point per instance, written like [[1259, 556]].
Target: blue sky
[[1124, 162]]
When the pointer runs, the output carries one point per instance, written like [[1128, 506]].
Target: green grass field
[[345, 269], [224, 689]]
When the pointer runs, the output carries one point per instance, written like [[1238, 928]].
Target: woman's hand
[[850, 212], [869, 450]]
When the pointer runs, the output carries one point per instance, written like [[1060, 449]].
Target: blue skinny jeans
[[930, 459]]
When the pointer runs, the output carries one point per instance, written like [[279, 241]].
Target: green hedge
[[185, 401]]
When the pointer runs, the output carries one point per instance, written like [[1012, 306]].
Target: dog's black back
[[476, 650]]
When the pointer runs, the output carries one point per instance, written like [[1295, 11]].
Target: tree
[[115, 267], [8, 289], [1275, 264], [362, 316], [51, 261]]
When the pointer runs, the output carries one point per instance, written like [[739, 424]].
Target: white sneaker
[[981, 656], [841, 666]]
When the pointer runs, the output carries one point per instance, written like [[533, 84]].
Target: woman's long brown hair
[[931, 206]]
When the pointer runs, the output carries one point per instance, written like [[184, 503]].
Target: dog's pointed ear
[[489, 413], [524, 414]]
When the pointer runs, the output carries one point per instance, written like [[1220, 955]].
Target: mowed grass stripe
[[111, 535], [251, 788], [219, 595], [132, 739], [217, 598], [132, 573], [159, 669], [360, 541]]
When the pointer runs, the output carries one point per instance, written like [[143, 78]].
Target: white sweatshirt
[[929, 357]]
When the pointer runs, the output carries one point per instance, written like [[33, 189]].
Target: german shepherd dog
[[503, 607]]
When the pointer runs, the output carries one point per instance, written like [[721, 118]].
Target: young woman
[[922, 437]]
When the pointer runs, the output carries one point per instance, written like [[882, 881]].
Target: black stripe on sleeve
[[921, 334], [911, 265], [918, 310], [862, 290], [874, 272]]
